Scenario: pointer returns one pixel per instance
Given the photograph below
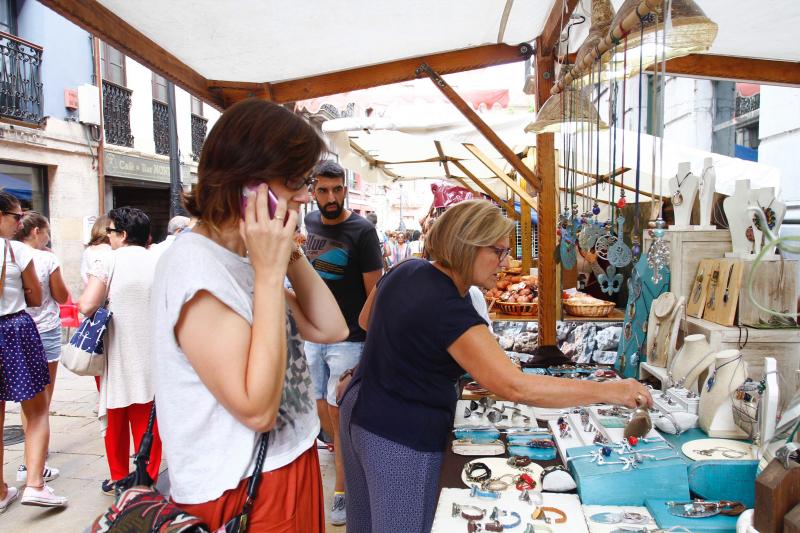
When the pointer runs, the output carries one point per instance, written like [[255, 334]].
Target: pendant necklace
[[713, 378], [677, 197], [769, 215]]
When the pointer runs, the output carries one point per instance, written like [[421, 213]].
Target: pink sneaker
[[43, 497], [10, 497]]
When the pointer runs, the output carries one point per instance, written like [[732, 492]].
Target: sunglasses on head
[[115, 230]]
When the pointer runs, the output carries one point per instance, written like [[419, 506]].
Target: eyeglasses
[[17, 216], [298, 182], [115, 230], [501, 253]]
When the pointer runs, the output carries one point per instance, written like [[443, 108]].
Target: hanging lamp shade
[[569, 107], [690, 31]]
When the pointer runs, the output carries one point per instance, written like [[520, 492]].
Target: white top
[[47, 316], [92, 254], [161, 247], [479, 303], [13, 299], [207, 449], [126, 379]]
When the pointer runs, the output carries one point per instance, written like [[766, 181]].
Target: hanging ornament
[[595, 209], [588, 236], [749, 234], [636, 249], [769, 214], [610, 281], [604, 242], [659, 254], [621, 202], [619, 254]]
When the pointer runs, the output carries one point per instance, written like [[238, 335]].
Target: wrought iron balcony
[[747, 104], [161, 127], [117, 114], [20, 79], [199, 127]]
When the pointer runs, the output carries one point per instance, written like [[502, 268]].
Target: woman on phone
[[229, 364]]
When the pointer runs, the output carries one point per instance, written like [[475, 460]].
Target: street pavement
[[76, 448]]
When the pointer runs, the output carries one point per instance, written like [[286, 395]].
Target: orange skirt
[[289, 500]]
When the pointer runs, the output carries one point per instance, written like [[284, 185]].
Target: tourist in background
[[35, 232], [24, 365], [126, 386]]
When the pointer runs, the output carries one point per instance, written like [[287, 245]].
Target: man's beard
[[331, 215]]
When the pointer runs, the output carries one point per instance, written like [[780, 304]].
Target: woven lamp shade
[[567, 107], [691, 31]]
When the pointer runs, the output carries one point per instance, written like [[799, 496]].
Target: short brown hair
[[29, 221], [253, 141], [461, 230]]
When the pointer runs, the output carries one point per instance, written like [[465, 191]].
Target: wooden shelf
[[658, 372]]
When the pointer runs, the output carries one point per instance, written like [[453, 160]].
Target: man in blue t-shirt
[[343, 248]]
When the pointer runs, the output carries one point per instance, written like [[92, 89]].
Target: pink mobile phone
[[272, 200]]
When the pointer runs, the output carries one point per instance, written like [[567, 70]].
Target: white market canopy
[[288, 51]]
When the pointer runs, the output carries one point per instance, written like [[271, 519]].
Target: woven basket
[[589, 310], [520, 309]]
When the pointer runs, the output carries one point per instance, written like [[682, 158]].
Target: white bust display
[[739, 219], [708, 181], [694, 358], [683, 187], [716, 405]]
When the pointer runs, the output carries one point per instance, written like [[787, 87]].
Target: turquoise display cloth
[[665, 520], [717, 479], [641, 293]]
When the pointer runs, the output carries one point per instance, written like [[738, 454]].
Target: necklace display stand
[[708, 181], [683, 188], [690, 362], [716, 403], [739, 219], [663, 327]]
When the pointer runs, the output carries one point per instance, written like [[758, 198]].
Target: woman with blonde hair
[[401, 401], [97, 248], [229, 361]]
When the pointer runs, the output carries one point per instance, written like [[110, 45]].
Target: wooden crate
[[768, 290], [782, 344], [688, 248]]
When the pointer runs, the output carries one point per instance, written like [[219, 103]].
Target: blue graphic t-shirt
[[341, 254]]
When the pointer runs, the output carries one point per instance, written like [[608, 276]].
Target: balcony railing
[[747, 104], [199, 127], [117, 114], [20, 79], [161, 127]]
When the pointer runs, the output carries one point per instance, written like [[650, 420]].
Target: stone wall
[[583, 342]]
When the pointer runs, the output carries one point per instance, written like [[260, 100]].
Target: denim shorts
[[326, 362], [51, 340]]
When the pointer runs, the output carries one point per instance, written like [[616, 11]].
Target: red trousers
[[121, 423], [289, 500]]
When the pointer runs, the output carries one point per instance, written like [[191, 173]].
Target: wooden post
[[511, 213], [487, 132], [549, 273]]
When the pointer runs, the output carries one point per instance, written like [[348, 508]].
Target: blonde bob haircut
[[456, 235]]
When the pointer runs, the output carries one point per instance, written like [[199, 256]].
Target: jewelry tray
[[444, 522], [596, 527], [482, 421]]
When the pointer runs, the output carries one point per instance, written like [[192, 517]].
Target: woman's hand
[[269, 241], [631, 393]]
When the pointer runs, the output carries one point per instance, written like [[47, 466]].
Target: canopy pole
[[510, 183], [525, 225], [480, 125]]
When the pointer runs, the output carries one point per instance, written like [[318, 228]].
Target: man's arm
[[370, 279]]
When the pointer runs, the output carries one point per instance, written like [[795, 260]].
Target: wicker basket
[[519, 309], [589, 310]]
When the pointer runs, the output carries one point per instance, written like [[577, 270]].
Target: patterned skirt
[[24, 371]]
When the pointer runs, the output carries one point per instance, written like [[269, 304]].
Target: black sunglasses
[[115, 230], [298, 182], [17, 216]]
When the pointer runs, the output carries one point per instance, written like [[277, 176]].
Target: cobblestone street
[[76, 449]]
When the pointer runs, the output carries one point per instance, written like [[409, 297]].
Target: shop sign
[[23, 135], [130, 166]]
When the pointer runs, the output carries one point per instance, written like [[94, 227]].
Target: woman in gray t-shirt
[[228, 355]]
